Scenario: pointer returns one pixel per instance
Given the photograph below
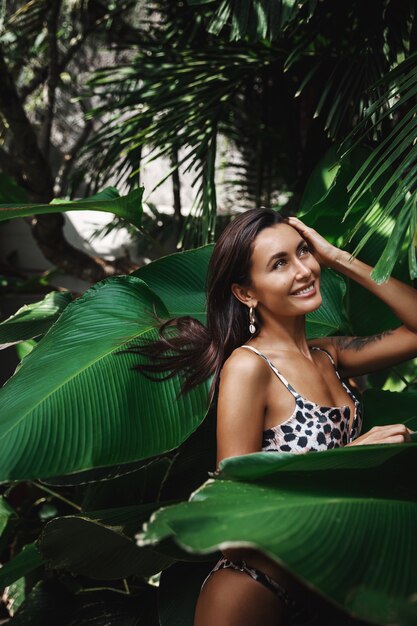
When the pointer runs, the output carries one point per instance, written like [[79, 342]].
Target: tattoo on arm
[[357, 343]]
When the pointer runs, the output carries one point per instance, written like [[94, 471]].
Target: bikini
[[309, 428]]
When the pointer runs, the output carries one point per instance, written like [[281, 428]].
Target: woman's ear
[[244, 295]]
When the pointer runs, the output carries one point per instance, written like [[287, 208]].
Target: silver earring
[[252, 320]]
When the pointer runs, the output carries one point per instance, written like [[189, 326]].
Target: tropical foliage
[[286, 100], [277, 83], [249, 94], [92, 450]]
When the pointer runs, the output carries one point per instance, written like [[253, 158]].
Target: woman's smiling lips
[[305, 292]]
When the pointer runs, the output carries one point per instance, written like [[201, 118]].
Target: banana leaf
[[180, 281], [127, 207], [389, 407], [27, 560], [82, 544], [342, 521], [75, 403], [33, 320]]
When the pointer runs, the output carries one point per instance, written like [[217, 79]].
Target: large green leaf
[[330, 318], [47, 603], [388, 407], [313, 514], [50, 603], [24, 348], [326, 200], [127, 207], [191, 465], [103, 608], [88, 547], [141, 485], [34, 319], [99, 474], [27, 560], [76, 404], [180, 281]]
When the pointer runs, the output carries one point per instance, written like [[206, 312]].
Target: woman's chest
[[315, 392]]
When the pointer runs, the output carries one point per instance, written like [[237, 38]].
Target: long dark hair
[[185, 345]]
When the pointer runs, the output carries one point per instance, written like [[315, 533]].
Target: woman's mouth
[[305, 292]]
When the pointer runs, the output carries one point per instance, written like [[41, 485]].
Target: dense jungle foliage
[[106, 513]]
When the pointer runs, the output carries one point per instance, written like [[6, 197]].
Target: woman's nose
[[302, 270]]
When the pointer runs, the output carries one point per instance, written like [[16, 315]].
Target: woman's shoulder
[[245, 363]]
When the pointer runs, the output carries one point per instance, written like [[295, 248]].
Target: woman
[[264, 278]]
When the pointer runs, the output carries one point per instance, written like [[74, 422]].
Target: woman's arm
[[361, 355], [241, 405]]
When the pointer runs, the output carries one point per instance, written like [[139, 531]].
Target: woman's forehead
[[274, 239]]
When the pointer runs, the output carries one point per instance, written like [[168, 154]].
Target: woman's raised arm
[[361, 355]]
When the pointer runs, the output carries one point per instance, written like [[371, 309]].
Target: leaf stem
[[88, 589], [57, 495]]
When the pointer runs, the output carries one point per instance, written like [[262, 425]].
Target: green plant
[[97, 449]]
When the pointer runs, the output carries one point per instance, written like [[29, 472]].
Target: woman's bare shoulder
[[245, 360], [241, 404], [246, 363]]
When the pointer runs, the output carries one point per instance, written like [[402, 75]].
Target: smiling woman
[[277, 392]]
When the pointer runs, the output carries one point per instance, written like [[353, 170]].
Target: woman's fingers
[[325, 253], [392, 433], [298, 225]]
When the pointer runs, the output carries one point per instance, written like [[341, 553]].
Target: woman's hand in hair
[[325, 253], [393, 433]]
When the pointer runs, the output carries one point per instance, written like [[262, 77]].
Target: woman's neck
[[286, 334]]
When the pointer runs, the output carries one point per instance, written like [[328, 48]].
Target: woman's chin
[[314, 304]]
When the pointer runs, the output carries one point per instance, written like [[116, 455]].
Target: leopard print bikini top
[[311, 427]]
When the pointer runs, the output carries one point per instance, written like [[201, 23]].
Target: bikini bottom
[[298, 615]]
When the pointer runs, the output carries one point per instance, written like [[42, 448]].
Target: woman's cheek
[[316, 266]]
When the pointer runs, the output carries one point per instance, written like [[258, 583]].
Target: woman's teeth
[[301, 292]]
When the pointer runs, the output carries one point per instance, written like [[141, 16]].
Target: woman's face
[[285, 276]]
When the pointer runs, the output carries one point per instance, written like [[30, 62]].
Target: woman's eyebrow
[[280, 255]]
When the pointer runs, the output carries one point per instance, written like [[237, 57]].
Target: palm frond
[[341, 62], [172, 99], [390, 168], [254, 20]]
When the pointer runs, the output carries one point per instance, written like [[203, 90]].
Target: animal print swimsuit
[[310, 428]]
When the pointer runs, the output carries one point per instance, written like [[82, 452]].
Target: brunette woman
[[277, 391]]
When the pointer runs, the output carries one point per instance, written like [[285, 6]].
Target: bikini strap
[[349, 391], [274, 369], [330, 357]]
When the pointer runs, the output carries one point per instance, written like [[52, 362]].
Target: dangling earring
[[252, 320]]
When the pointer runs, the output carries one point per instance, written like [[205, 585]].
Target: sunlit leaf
[[34, 319], [128, 207]]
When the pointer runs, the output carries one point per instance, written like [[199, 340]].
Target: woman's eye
[[305, 249], [279, 263]]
